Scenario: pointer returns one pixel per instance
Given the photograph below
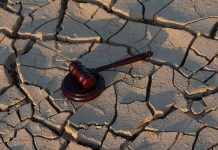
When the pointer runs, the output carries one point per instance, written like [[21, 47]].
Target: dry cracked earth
[[169, 101]]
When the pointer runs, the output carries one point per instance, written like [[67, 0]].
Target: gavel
[[85, 76]]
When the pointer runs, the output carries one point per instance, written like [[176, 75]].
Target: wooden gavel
[[85, 76]]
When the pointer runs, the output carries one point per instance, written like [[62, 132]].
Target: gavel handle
[[123, 62]]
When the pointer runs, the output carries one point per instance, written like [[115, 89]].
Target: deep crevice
[[196, 137], [64, 5], [213, 31], [187, 51]]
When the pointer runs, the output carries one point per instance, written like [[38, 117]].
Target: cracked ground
[[168, 102]]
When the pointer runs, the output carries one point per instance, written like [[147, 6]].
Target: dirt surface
[[169, 101]]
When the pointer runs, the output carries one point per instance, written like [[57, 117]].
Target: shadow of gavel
[[83, 84]]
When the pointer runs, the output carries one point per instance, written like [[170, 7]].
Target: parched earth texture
[[169, 101]]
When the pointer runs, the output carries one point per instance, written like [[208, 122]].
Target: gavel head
[[82, 75]]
